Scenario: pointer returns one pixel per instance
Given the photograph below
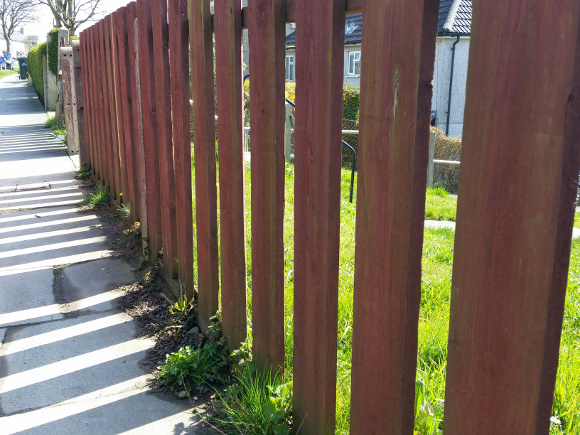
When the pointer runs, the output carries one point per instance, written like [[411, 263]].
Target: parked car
[[8, 59]]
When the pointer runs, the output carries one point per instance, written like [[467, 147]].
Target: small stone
[[194, 331], [182, 394]]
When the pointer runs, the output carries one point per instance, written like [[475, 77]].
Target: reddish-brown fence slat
[[120, 105], [127, 131], [149, 112], [228, 40], [111, 110], [113, 78], [164, 136], [202, 90], [267, 117], [320, 45], [390, 214], [88, 103], [137, 109], [105, 145], [95, 84], [181, 114], [520, 142], [103, 106]]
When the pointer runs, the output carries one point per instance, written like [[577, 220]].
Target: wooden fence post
[[150, 136], [202, 90], [267, 116], [79, 103], [228, 40], [180, 109], [520, 141], [320, 47]]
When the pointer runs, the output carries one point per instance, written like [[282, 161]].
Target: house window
[[354, 63], [290, 68]]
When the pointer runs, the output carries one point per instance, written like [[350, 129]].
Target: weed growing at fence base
[[98, 198]]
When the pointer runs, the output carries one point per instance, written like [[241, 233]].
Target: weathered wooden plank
[[164, 144], [267, 116], [320, 46], [128, 127], [88, 104], [390, 211], [150, 137], [228, 40], [111, 122], [104, 133], [202, 90], [120, 110], [181, 114], [136, 102], [520, 141]]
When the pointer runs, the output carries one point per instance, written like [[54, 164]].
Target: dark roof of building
[[454, 18]]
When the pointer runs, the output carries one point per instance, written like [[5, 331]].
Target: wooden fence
[[516, 197]]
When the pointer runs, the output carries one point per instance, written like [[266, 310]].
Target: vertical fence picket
[[202, 90], [149, 112], [88, 102], [128, 130], [164, 145], [180, 109], [390, 214], [228, 40], [119, 95], [267, 116], [137, 109], [320, 45], [520, 141], [103, 109]]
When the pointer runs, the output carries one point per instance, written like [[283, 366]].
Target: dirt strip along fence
[[520, 141]]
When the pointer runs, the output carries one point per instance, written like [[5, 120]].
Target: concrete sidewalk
[[69, 359]]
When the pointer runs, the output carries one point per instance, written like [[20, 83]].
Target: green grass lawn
[[7, 72], [434, 314]]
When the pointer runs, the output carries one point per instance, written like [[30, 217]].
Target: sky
[[44, 18]]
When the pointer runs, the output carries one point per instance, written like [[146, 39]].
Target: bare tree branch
[[71, 14], [13, 14]]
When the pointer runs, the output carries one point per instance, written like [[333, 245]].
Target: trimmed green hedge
[[350, 102], [35, 67], [52, 49]]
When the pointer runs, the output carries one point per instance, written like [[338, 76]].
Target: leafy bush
[[35, 67], [446, 148], [52, 51], [350, 102]]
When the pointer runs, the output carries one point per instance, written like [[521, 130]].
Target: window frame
[[353, 54]]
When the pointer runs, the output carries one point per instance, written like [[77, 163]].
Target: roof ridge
[[452, 14]]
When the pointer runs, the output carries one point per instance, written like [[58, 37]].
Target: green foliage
[[83, 174], [426, 421], [439, 205], [350, 102], [123, 212], [52, 51], [191, 368], [35, 67], [446, 148], [7, 72], [577, 220], [258, 402], [51, 122], [98, 198]]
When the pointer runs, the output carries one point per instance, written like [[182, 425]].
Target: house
[[451, 56], [20, 43]]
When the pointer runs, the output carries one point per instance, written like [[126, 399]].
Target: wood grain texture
[[150, 127], [104, 133], [164, 136], [181, 110], [520, 141], [120, 110], [128, 125], [137, 106], [390, 213], [267, 117], [319, 76], [203, 110], [87, 97], [228, 41], [113, 143]]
